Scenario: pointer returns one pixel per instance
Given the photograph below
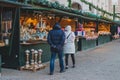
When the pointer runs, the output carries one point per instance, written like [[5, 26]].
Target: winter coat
[[69, 45], [56, 38]]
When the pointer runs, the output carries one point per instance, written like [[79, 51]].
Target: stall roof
[[88, 14], [59, 12], [101, 20], [8, 3], [59, 9], [116, 22]]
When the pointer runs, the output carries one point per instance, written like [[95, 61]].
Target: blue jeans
[[52, 61]]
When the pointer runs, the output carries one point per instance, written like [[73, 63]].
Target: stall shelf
[[84, 44], [102, 39], [36, 46]]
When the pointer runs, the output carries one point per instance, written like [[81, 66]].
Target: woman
[[69, 46]]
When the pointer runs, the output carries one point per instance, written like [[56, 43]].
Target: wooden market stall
[[115, 30], [87, 40], [22, 28], [28, 27], [96, 31], [9, 33], [104, 32]]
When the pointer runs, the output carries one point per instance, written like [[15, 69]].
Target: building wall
[[117, 7], [104, 4], [110, 6], [65, 3]]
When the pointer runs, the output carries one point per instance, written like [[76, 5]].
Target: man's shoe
[[61, 71], [51, 73]]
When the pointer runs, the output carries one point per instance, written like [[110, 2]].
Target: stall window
[[6, 26]]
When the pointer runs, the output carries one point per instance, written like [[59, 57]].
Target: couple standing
[[61, 41]]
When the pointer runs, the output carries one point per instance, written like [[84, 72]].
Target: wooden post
[[0, 18], [113, 12]]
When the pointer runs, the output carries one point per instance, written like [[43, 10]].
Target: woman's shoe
[[73, 66], [66, 67]]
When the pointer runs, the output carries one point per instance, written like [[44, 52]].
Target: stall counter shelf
[[36, 45], [102, 39], [84, 44]]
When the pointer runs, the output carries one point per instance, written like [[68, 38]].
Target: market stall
[[87, 35], [9, 31], [27, 29], [104, 33], [115, 31]]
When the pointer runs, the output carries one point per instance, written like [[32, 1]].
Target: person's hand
[[53, 46], [59, 47]]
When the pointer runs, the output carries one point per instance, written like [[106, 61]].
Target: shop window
[[6, 26], [104, 29]]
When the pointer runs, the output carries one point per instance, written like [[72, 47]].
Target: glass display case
[[89, 28], [104, 29], [34, 29], [6, 26]]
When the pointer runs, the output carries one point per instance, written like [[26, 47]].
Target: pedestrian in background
[[69, 46], [56, 38]]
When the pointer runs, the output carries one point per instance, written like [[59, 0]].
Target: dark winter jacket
[[56, 38]]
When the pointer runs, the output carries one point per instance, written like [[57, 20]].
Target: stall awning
[[116, 22], [105, 21], [7, 3], [58, 12]]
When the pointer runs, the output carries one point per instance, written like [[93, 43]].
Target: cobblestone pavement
[[100, 63]]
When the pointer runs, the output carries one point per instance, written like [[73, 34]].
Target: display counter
[[103, 39], [84, 44], [35, 45]]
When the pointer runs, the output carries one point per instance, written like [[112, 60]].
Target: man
[[56, 38]]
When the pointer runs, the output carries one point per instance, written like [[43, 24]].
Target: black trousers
[[72, 57]]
